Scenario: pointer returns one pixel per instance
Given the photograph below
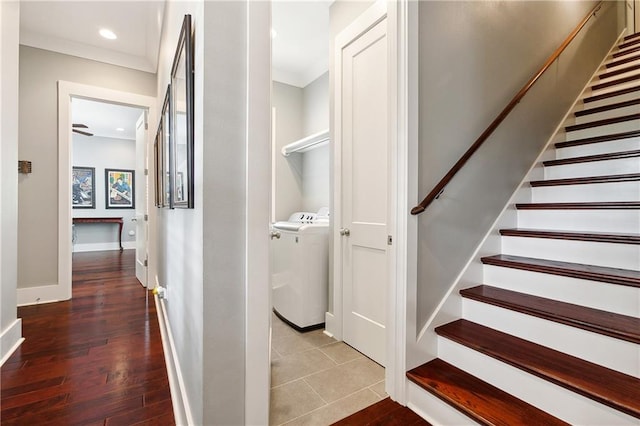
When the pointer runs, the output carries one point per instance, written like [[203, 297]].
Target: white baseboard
[[179, 398], [79, 248], [10, 339], [42, 294]]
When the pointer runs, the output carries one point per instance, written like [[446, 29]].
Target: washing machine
[[300, 269]]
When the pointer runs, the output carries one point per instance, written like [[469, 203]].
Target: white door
[[141, 199], [630, 16], [365, 191]]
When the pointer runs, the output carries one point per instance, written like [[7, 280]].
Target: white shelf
[[310, 142]]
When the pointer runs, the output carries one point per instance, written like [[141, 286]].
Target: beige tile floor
[[316, 380]]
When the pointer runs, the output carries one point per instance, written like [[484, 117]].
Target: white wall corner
[[10, 339]]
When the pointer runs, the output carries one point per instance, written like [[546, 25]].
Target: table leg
[[120, 235]]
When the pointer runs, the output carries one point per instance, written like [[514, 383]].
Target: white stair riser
[[606, 90], [627, 221], [610, 191], [626, 126], [607, 101], [599, 148], [593, 168], [433, 409], [618, 112], [620, 299], [617, 67], [611, 60], [629, 50], [607, 351], [555, 400], [624, 256], [627, 74]]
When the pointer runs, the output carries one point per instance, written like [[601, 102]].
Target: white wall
[[206, 255], [104, 153], [40, 71], [10, 326]]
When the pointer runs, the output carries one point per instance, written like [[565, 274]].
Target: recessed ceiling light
[[119, 129], [108, 34]]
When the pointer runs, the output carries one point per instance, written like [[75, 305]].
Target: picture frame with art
[[83, 187], [119, 189], [182, 121]]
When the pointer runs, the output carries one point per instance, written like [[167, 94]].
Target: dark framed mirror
[[165, 170], [182, 123]]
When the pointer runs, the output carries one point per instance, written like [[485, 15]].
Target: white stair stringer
[[555, 400], [607, 351]]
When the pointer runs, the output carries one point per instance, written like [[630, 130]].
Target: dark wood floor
[[94, 360], [384, 413]]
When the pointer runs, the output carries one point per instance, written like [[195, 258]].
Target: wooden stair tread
[[616, 82], [632, 36], [607, 205], [592, 158], [605, 274], [596, 237], [622, 61], [626, 52], [609, 387], [629, 177], [604, 122], [609, 107], [628, 43], [610, 324], [476, 398], [618, 72], [611, 94], [599, 139]]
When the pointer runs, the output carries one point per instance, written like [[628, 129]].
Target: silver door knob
[[274, 234], [345, 232]]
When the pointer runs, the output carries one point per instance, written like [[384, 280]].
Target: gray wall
[[473, 57], [40, 71], [288, 103], [104, 153], [9, 35]]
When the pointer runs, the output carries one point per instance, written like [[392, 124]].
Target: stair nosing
[[526, 307], [423, 377], [621, 80], [599, 139], [565, 269], [622, 53], [599, 237], [628, 44], [607, 205], [540, 366], [604, 122], [593, 158], [631, 36], [608, 74], [629, 177]]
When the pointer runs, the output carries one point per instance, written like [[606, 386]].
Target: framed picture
[[161, 155], [182, 124], [166, 149], [120, 189], [83, 187]]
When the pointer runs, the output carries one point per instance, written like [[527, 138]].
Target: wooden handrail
[[437, 190]]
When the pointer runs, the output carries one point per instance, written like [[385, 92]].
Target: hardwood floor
[[94, 360]]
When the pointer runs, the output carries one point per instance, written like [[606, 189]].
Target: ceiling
[[102, 119], [300, 49]]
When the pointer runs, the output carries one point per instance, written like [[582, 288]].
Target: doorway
[[109, 186], [67, 92]]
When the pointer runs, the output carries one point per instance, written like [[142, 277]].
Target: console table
[[117, 220]]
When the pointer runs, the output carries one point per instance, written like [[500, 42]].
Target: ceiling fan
[[81, 126]]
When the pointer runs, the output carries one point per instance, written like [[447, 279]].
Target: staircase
[[552, 334]]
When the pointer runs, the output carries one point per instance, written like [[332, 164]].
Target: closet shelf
[[314, 141]]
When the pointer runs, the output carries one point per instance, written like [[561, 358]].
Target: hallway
[[94, 360]]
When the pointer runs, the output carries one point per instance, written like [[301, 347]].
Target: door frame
[[402, 176], [66, 91]]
